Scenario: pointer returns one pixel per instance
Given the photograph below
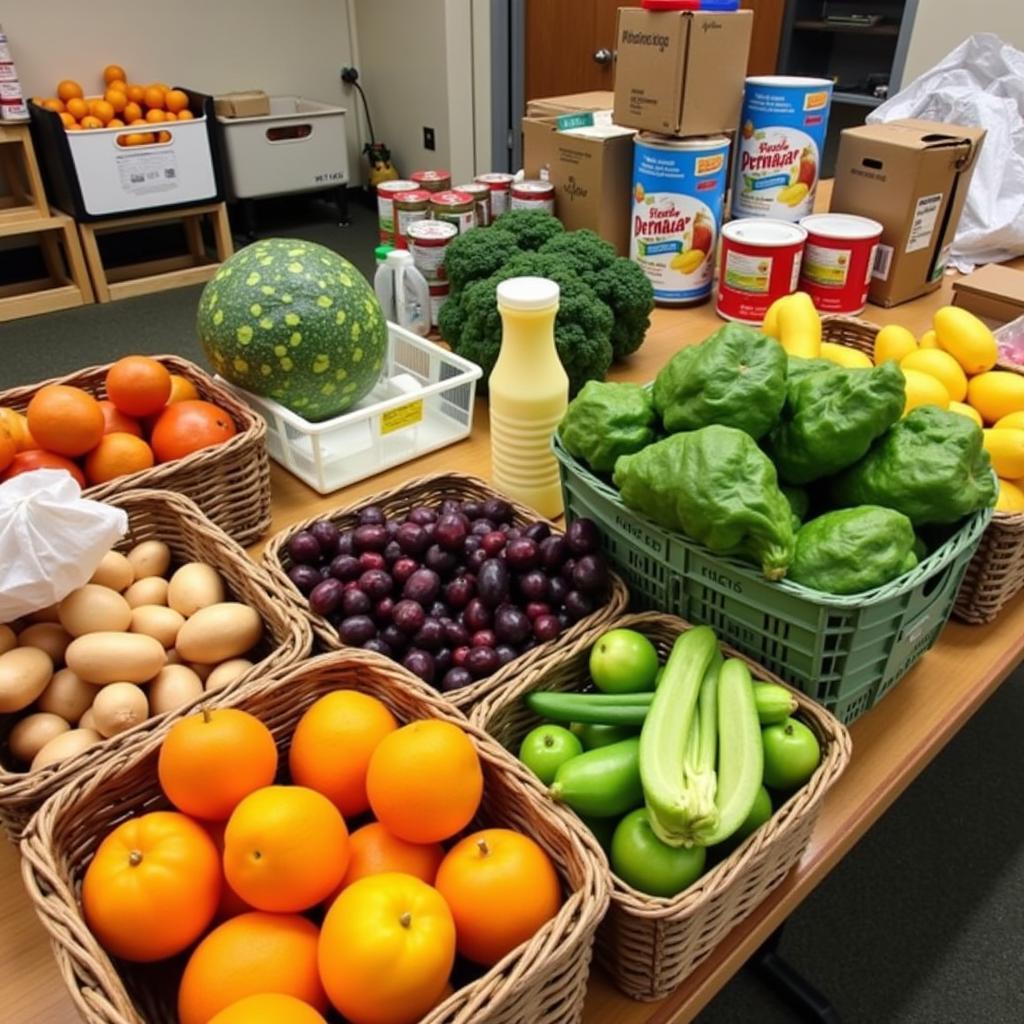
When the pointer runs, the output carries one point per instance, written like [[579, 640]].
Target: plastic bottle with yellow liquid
[[529, 393]]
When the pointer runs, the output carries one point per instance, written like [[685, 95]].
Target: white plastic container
[[298, 147], [423, 401], [403, 292]]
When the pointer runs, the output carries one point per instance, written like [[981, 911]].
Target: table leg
[[790, 984], [341, 199]]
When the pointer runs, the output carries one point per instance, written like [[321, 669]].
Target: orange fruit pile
[[122, 104], [400, 907], [149, 416]]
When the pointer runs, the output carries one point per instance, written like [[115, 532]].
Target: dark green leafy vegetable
[[736, 378], [799, 501], [930, 466], [853, 549], [797, 367], [606, 420], [716, 486]]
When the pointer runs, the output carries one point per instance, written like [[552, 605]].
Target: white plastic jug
[[403, 292]]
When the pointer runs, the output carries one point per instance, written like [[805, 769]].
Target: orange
[[116, 455], [67, 120], [132, 139], [152, 887], [188, 426], [210, 761], [17, 425], [139, 120], [118, 85], [424, 781], [25, 462], [132, 112], [74, 127], [285, 848], [163, 137], [115, 122], [373, 850], [154, 97], [101, 109], [251, 954], [90, 121], [176, 100], [113, 73], [135, 93], [57, 106], [185, 115], [182, 390], [154, 115], [387, 947], [8, 448], [69, 90], [168, 116], [77, 108], [116, 99], [333, 743], [138, 385], [116, 422], [231, 904], [65, 420], [268, 1008]]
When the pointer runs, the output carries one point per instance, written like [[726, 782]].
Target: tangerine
[[163, 137], [252, 954], [138, 385], [74, 127], [424, 781], [155, 115], [69, 89], [210, 761], [77, 107], [332, 745], [182, 389], [188, 426], [268, 1008], [154, 97], [373, 850], [176, 100], [101, 109], [118, 85], [135, 93], [116, 99], [17, 425], [231, 904], [115, 122], [113, 73], [90, 121], [8, 448], [57, 106], [25, 462], [116, 422], [185, 115], [285, 848], [132, 112], [67, 120], [65, 420], [116, 455]]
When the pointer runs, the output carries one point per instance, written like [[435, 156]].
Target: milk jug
[[403, 292]]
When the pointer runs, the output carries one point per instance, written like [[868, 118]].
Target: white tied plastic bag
[[51, 540], [981, 83]]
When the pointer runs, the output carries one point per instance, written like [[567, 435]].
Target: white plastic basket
[[423, 401]]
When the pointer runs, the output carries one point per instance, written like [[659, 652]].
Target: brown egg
[[67, 696], [219, 632], [51, 637], [24, 673], [174, 686], [33, 732], [114, 571], [118, 707], [94, 609], [44, 615], [150, 558], [151, 590], [157, 621], [195, 585], [226, 673], [102, 658], [88, 721], [8, 639], [65, 746]]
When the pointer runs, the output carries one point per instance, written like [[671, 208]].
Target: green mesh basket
[[846, 652]]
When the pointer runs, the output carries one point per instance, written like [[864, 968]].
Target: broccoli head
[[583, 325], [626, 290], [532, 228], [580, 251], [452, 317], [477, 254]]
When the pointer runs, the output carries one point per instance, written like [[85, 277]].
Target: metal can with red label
[[760, 263], [500, 185], [458, 208], [838, 257], [532, 195], [410, 207], [432, 181], [428, 240], [386, 192], [438, 297], [482, 198]]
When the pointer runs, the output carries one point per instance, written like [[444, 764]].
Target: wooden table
[[892, 744]]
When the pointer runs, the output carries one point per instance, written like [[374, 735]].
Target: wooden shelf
[[883, 28]]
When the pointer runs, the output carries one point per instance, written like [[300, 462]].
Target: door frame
[[508, 83]]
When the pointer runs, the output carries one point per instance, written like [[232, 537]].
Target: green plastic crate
[[845, 652]]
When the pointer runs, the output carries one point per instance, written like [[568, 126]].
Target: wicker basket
[[996, 572], [429, 490], [230, 482], [648, 945], [161, 515], [542, 982]]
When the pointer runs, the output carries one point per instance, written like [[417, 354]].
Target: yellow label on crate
[[402, 417]]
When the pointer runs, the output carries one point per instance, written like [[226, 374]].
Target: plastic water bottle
[[529, 393], [403, 292]]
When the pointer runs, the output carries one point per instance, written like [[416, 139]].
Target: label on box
[[749, 273], [402, 417], [926, 213], [826, 267], [580, 120], [882, 262], [8, 72], [145, 173]]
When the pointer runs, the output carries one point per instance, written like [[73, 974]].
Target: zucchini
[[601, 783]]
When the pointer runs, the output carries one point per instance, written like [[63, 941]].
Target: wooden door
[[562, 38], [764, 42]]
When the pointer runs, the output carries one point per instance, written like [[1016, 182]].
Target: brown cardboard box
[[913, 177], [591, 170], [680, 72], [248, 103], [993, 292], [550, 106]]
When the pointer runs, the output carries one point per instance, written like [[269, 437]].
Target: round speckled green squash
[[294, 321]]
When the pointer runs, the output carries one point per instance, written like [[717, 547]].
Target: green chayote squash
[[737, 377], [799, 503], [716, 486], [853, 549], [831, 418], [930, 466], [606, 420]]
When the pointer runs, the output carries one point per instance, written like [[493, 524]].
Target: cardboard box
[[591, 170], [249, 103], [993, 292], [550, 106], [680, 72], [913, 177]]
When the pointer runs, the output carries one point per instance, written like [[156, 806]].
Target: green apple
[[623, 661]]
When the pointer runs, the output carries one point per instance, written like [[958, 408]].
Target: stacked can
[[12, 102], [386, 192], [428, 240], [432, 181]]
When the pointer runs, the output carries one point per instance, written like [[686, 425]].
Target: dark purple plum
[[438, 610], [534, 585], [370, 537], [443, 660], [327, 596], [505, 653], [455, 679], [383, 610], [472, 509], [423, 586], [377, 584], [392, 526], [346, 543], [482, 661], [305, 577], [326, 534], [511, 625], [563, 618], [421, 664], [483, 638], [477, 616], [459, 592], [403, 569], [498, 509], [372, 515], [521, 554], [460, 654], [392, 552], [378, 646], [439, 560], [553, 552], [430, 635], [412, 539], [578, 606], [448, 507], [472, 544], [535, 608], [513, 532], [345, 567], [492, 582], [590, 574], [304, 549], [324, 570], [557, 589], [493, 543], [428, 529], [475, 559], [583, 537], [482, 527], [537, 532], [372, 560], [408, 616], [355, 602], [546, 627], [456, 634], [395, 639], [567, 569], [356, 630], [421, 515]]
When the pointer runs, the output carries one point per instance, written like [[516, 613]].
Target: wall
[[941, 25], [295, 47]]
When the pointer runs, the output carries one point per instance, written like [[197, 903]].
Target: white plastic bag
[[981, 83], [51, 540]]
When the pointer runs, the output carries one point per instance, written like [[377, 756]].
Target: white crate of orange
[[127, 147]]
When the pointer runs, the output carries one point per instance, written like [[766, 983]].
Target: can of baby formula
[[779, 146], [678, 195], [838, 257], [760, 263]]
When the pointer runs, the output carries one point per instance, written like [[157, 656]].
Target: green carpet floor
[[923, 923]]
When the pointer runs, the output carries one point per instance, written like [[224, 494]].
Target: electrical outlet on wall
[[428, 138]]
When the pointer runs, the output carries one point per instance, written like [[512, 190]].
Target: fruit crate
[[230, 482], [422, 402], [846, 652], [648, 945], [430, 490], [995, 574], [543, 981], [161, 515]]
